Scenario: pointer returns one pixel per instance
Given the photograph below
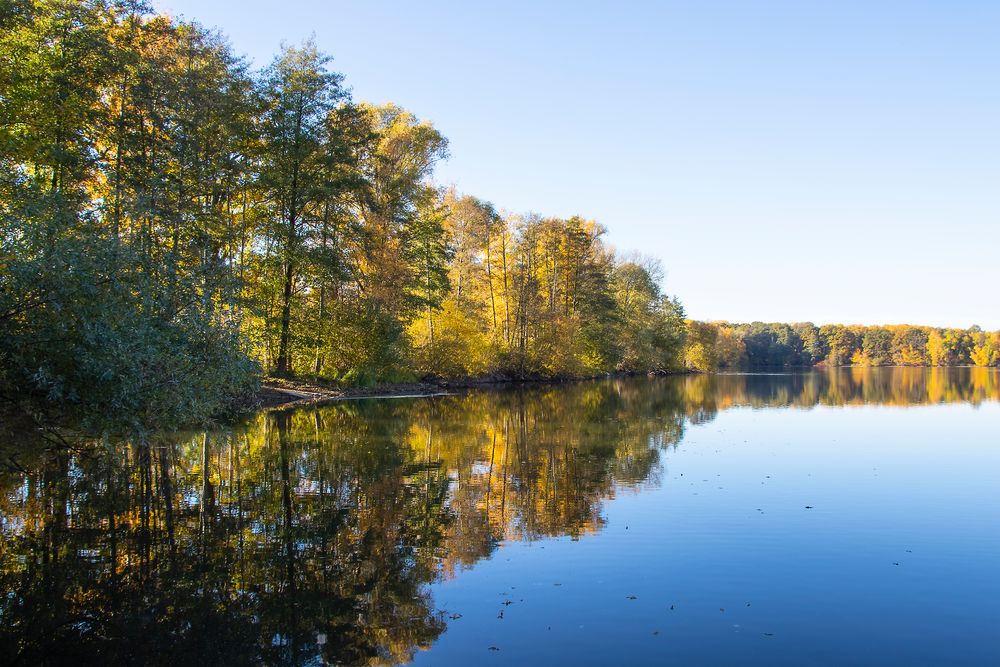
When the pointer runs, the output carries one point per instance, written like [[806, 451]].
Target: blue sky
[[787, 161]]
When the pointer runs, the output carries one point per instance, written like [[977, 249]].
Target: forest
[[176, 224], [715, 345]]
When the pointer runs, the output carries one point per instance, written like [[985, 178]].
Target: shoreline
[[282, 393]]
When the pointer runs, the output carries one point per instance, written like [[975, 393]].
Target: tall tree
[[298, 93]]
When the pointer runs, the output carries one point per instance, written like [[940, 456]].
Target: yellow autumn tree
[[700, 352], [985, 350]]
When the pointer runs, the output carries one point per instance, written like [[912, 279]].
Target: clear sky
[[787, 161]]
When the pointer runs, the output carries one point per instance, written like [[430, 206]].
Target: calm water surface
[[826, 518]]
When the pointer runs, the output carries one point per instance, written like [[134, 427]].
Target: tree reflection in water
[[310, 536]]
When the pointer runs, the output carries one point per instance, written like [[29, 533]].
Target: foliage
[[115, 304], [174, 223], [760, 345]]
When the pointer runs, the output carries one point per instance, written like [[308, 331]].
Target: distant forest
[[175, 224], [712, 345]]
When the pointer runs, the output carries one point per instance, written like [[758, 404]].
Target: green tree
[[299, 93]]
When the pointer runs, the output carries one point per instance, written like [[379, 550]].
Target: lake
[[831, 517]]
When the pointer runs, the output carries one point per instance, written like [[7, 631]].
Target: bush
[[88, 333]]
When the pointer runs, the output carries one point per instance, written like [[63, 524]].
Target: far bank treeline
[[174, 223], [713, 345]]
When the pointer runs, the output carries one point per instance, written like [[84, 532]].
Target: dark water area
[[823, 518]]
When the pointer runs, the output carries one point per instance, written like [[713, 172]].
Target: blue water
[[895, 561], [828, 518]]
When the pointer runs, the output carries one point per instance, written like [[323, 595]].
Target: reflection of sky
[[895, 562]]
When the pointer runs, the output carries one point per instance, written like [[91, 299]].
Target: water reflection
[[310, 536]]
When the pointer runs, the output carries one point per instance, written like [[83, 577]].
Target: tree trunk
[[282, 365]]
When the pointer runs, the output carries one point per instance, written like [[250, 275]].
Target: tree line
[[712, 345], [174, 222]]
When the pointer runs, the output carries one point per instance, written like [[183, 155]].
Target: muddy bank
[[284, 392]]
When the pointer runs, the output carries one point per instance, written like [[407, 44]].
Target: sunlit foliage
[[776, 345], [175, 223]]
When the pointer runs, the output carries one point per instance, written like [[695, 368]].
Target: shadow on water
[[311, 536]]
